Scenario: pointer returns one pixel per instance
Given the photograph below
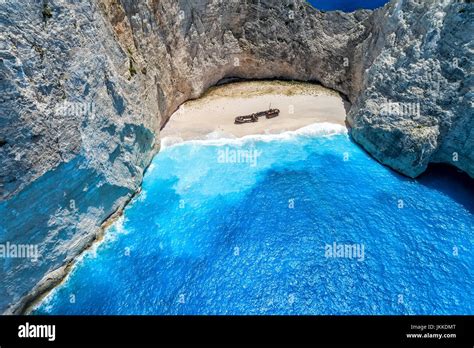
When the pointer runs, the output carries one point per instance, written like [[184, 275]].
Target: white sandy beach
[[212, 116]]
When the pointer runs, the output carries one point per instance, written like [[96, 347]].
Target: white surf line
[[319, 129]]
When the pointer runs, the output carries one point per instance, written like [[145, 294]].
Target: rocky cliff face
[[76, 134], [416, 100], [86, 86]]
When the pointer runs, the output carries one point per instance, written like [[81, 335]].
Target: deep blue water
[[206, 237], [347, 5]]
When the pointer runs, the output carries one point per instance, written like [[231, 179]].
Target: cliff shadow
[[444, 178], [450, 181]]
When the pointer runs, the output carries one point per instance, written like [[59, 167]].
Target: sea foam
[[221, 138]]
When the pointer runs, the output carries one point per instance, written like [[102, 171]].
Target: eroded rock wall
[[76, 135], [416, 101], [86, 86]]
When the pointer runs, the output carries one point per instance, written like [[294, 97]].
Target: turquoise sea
[[299, 223]]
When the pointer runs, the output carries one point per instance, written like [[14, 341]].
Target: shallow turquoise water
[[211, 236]]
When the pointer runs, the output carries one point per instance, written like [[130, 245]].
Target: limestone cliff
[[86, 86], [416, 100]]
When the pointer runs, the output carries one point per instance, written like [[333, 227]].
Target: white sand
[[212, 116]]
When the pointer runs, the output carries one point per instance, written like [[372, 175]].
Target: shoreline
[[212, 116], [318, 129]]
